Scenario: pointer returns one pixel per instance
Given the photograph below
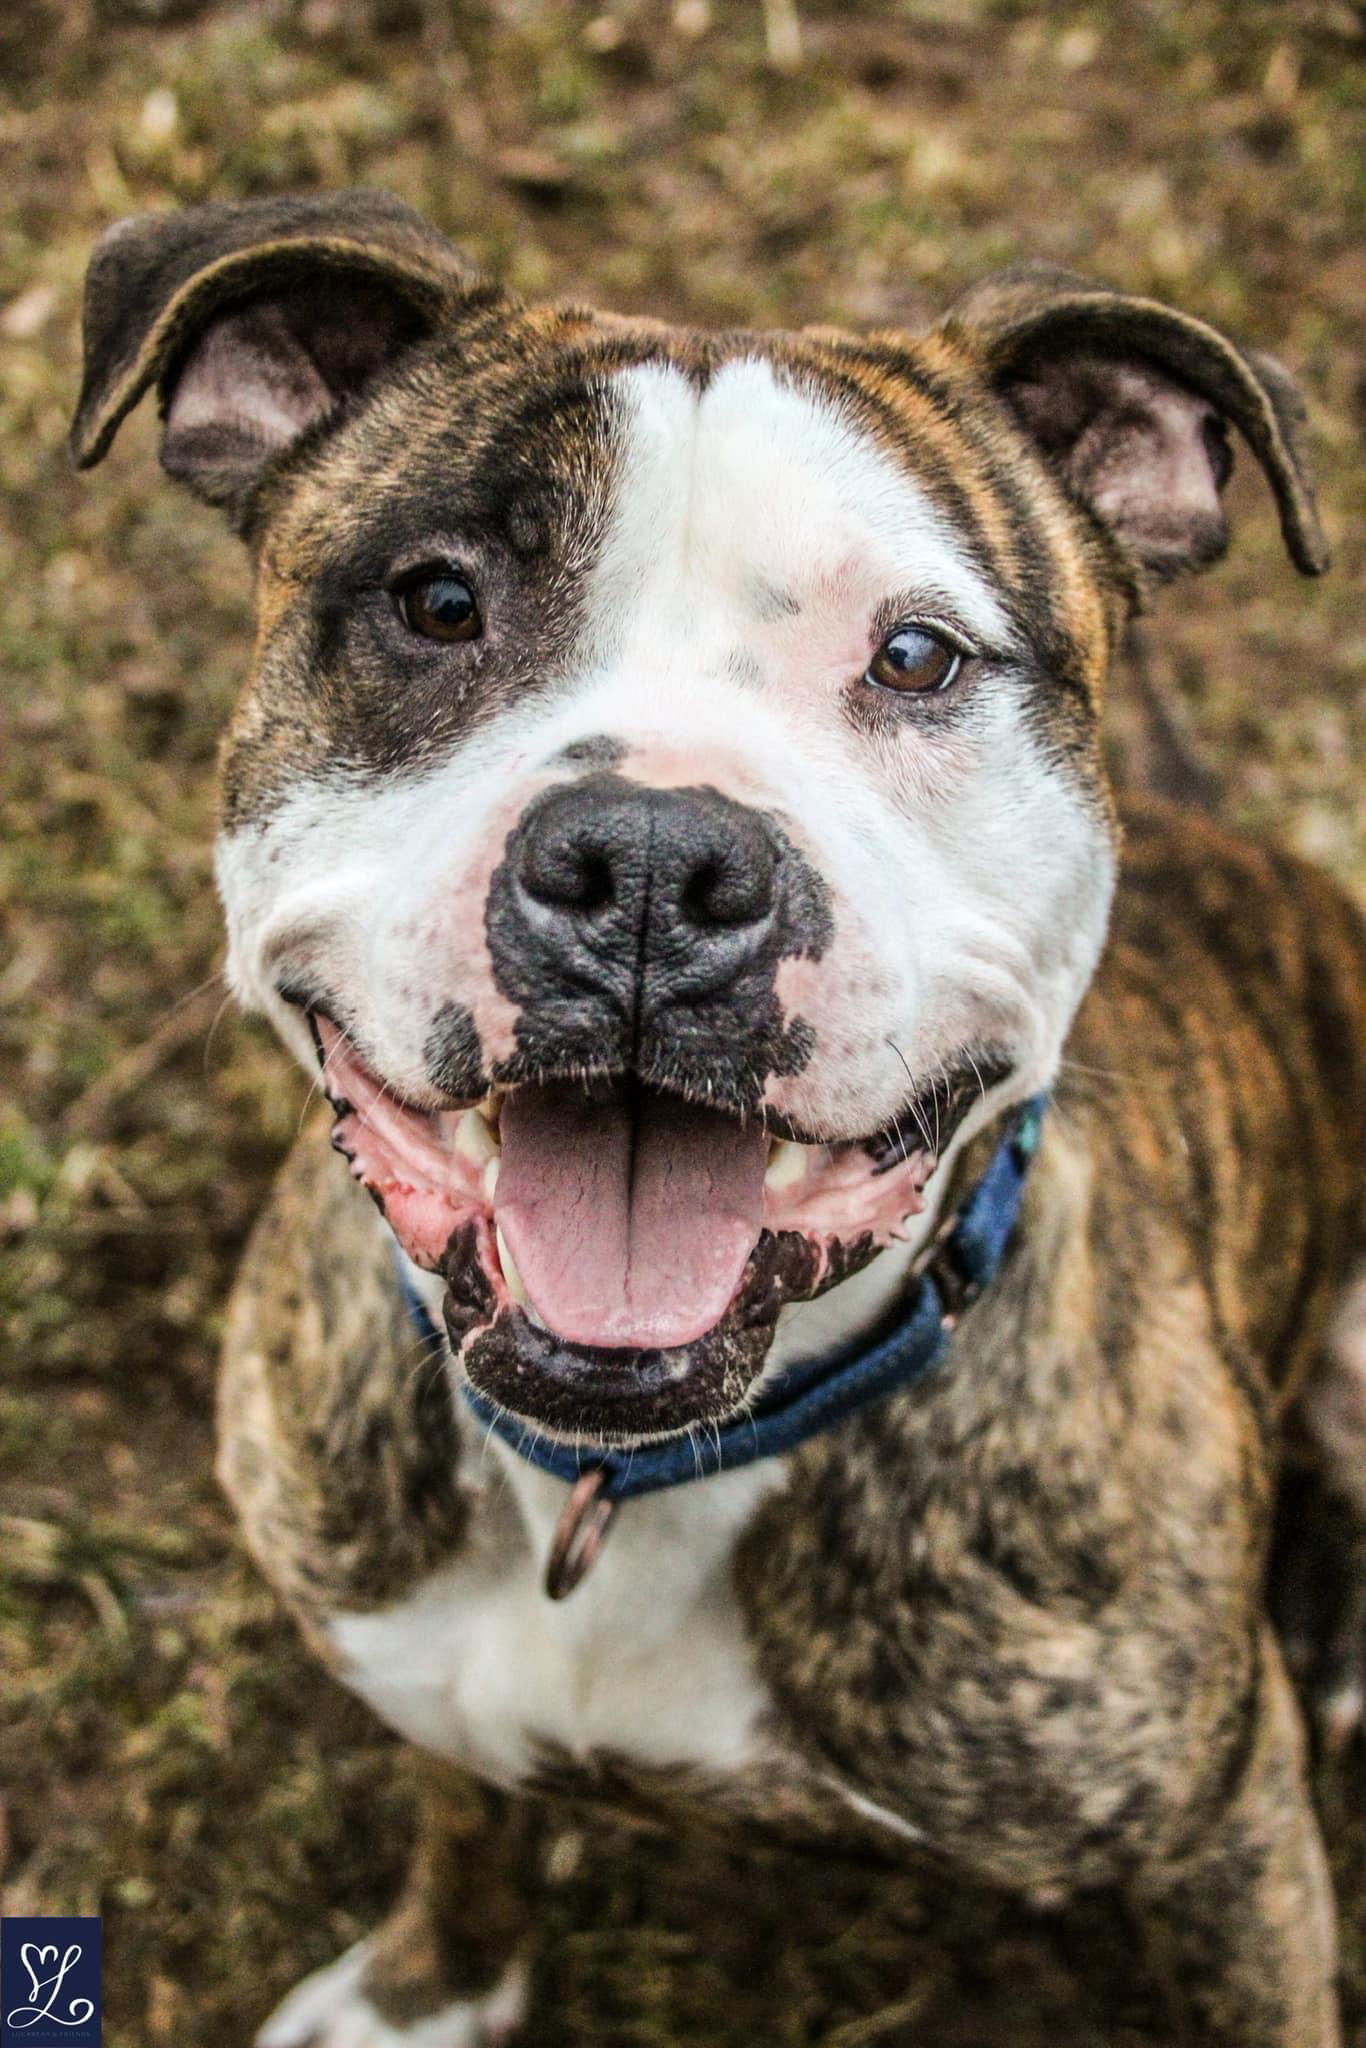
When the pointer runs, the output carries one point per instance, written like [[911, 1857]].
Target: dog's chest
[[647, 1659]]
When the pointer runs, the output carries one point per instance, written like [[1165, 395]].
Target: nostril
[[569, 876], [596, 888], [699, 892], [729, 892]]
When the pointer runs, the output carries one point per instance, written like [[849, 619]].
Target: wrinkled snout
[[641, 928]]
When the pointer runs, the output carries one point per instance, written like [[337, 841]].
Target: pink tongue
[[630, 1218]]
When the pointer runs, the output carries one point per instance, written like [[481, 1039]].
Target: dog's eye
[[915, 659], [439, 605]]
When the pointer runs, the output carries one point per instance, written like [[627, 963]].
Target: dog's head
[[667, 797]]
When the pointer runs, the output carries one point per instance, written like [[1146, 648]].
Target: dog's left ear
[[1131, 403]]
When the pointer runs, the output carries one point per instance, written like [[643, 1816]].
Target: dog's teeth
[[786, 1163], [510, 1273], [491, 1177], [474, 1139]]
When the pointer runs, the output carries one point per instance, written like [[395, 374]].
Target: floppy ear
[[1131, 403], [254, 321]]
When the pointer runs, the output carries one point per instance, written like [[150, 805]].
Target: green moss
[[24, 1160]]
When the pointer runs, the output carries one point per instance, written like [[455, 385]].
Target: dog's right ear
[[254, 321]]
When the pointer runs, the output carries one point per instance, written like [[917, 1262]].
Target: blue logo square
[[49, 1983]]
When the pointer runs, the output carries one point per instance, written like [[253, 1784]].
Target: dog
[[851, 1204]]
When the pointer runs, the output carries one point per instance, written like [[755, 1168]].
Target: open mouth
[[615, 1257]]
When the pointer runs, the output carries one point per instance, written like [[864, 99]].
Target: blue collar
[[806, 1398]]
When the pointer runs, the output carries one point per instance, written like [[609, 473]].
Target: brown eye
[[439, 606], [914, 659]]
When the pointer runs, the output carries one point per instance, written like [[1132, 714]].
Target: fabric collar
[[806, 1398]]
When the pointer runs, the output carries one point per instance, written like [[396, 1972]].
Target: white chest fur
[[647, 1658]]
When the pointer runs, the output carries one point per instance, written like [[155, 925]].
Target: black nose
[[690, 872], [642, 930]]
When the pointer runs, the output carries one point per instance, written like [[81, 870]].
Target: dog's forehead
[[811, 454], [760, 487]]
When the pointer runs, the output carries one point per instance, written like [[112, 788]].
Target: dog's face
[[676, 758], [667, 798]]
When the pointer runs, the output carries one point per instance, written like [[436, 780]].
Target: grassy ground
[[167, 1755]]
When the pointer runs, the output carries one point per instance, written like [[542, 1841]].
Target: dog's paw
[[330, 2010]]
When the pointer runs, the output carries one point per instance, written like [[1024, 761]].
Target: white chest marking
[[647, 1658]]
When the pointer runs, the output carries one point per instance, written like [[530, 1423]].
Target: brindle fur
[[478, 1858], [1019, 1608], [338, 1439]]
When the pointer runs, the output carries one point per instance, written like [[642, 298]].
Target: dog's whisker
[[219, 1014], [313, 1093]]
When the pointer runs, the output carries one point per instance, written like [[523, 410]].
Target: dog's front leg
[[447, 1969], [1243, 1924]]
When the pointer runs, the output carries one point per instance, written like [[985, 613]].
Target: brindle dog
[[668, 802]]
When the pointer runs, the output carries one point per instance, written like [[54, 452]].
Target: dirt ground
[[168, 1756]]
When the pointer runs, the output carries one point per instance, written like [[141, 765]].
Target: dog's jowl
[[851, 1204]]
